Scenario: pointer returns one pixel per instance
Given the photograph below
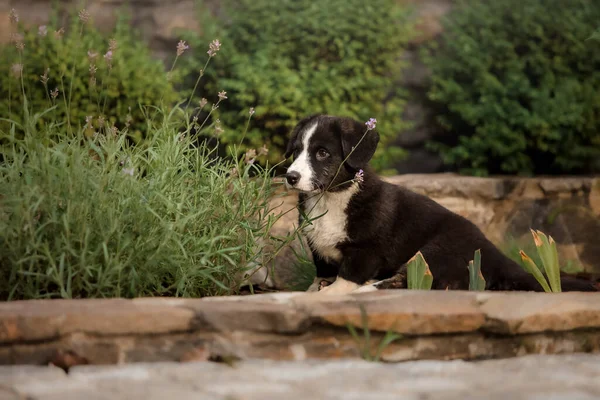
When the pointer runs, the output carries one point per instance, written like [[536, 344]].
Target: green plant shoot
[[418, 274], [476, 279]]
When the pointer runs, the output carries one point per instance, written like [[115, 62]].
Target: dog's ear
[[295, 132], [351, 133]]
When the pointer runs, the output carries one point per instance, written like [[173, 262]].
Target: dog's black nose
[[292, 177]]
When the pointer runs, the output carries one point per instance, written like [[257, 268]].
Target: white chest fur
[[328, 230]]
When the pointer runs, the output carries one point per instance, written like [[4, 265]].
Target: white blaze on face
[[302, 165]]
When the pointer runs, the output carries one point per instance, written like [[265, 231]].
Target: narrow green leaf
[[549, 259], [419, 276], [533, 269]]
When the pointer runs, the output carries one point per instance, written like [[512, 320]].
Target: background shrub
[[520, 86], [302, 57], [135, 79]]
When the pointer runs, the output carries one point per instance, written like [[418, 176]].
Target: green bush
[[135, 78], [107, 219], [86, 213], [302, 57], [519, 84]]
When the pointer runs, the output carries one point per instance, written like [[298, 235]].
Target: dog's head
[[328, 151]]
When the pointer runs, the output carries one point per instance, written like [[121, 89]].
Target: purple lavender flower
[[59, 33], [203, 103], [214, 47], [44, 78], [17, 70], [108, 58], [13, 16], [222, 95], [181, 47], [84, 16], [371, 123], [92, 55], [250, 156], [18, 40], [263, 151], [218, 129], [359, 176]]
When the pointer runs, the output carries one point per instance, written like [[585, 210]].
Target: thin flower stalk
[[83, 18], [214, 47], [213, 108], [250, 114]]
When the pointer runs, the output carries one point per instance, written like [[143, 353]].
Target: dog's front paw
[[339, 287], [320, 283]]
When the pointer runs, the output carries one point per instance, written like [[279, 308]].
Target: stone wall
[[440, 325], [504, 208]]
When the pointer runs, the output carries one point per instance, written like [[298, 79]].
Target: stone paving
[[572, 377]]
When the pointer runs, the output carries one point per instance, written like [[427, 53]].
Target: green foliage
[[519, 84], [364, 344], [512, 248], [302, 57], [418, 275], [476, 279], [135, 78], [101, 218], [546, 248]]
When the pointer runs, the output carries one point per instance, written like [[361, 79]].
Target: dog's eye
[[322, 154]]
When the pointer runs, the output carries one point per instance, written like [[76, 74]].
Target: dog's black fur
[[388, 224]]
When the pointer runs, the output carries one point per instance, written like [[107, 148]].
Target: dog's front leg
[[357, 268], [326, 273]]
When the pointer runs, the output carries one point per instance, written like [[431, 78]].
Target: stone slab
[[529, 378], [519, 313], [34, 320], [409, 312]]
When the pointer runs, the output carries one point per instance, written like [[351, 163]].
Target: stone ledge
[[296, 325], [532, 377], [496, 187], [408, 312]]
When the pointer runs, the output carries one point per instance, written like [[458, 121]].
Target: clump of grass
[[84, 213], [365, 344]]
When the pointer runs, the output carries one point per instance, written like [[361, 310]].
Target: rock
[[402, 311], [521, 313], [301, 326], [444, 185], [47, 319], [530, 378]]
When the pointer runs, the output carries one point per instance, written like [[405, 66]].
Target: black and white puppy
[[367, 229]]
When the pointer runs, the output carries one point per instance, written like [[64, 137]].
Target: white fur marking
[[366, 288], [302, 163], [327, 231], [340, 286]]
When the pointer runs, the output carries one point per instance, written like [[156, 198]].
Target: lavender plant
[[86, 213]]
